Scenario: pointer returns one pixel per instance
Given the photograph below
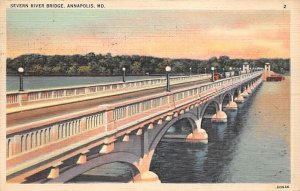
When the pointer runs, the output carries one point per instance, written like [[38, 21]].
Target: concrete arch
[[229, 93], [192, 118], [236, 91], [124, 157], [204, 107]]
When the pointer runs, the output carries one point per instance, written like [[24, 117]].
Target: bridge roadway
[[60, 148], [46, 109]]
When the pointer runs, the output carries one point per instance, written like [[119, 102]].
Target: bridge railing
[[30, 96]]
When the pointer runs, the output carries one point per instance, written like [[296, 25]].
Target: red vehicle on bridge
[[217, 76]]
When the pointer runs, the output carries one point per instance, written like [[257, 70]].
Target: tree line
[[93, 64]]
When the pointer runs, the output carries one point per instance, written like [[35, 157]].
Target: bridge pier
[[220, 116], [252, 86], [249, 90], [198, 134], [239, 98], [231, 105], [245, 93], [146, 177]]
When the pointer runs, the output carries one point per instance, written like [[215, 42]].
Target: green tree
[[136, 68], [84, 70]]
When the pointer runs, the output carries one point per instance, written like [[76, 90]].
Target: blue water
[[41, 82]]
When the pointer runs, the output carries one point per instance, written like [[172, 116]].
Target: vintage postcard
[[150, 95]]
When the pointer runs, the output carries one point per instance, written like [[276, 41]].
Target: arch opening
[[182, 127], [122, 168], [236, 93], [179, 130], [211, 109], [121, 172], [226, 100]]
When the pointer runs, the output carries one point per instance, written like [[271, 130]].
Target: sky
[[194, 34]]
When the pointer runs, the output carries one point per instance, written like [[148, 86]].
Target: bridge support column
[[249, 90], [220, 116], [239, 98], [146, 177], [252, 86], [231, 105], [245, 93], [198, 134]]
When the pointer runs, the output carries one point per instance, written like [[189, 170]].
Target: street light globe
[[123, 69], [190, 68], [20, 69], [212, 68], [230, 68], [168, 68]]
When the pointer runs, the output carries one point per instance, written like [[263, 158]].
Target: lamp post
[[21, 71], [168, 69], [190, 71], [230, 68], [124, 70], [240, 71], [205, 70], [212, 69], [223, 73]]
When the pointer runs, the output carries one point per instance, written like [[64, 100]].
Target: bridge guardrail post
[[171, 101], [23, 97], [54, 133], [109, 118], [16, 144], [83, 124], [87, 90]]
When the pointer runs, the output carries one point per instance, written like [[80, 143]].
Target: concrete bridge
[[61, 147]]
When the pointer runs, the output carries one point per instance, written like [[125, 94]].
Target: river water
[[41, 82], [252, 147]]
